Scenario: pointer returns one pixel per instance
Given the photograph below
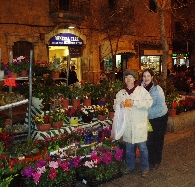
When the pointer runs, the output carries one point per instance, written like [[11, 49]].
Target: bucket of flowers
[[42, 121], [74, 113]]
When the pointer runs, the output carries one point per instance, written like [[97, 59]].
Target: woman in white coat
[[136, 101]]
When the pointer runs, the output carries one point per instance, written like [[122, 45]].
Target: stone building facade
[[37, 22]]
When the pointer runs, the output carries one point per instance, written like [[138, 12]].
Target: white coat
[[135, 118]]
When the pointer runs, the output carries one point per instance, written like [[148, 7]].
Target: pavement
[[176, 170]]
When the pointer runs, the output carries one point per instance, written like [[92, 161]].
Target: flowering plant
[[102, 164], [74, 112], [88, 110], [58, 115], [101, 110], [172, 100], [42, 119], [16, 66], [48, 173]]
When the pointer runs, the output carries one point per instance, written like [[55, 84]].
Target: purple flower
[[119, 154], [28, 172], [76, 161], [41, 163]]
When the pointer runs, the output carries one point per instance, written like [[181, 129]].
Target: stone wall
[[182, 121]]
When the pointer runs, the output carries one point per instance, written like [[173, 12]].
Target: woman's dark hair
[[152, 74]]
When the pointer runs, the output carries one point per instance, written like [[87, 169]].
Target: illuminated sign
[[65, 39]]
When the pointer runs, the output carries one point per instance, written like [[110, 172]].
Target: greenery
[[58, 115], [101, 110], [6, 181], [76, 91], [64, 90], [172, 100], [55, 65], [42, 119]]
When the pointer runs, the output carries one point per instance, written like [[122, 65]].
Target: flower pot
[[24, 73], [172, 112], [73, 120], [55, 75], [65, 103], [101, 117], [7, 122], [36, 102], [86, 119], [44, 127], [57, 125], [111, 115], [2, 74], [76, 102], [14, 75], [87, 102]]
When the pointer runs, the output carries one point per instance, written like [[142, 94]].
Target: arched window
[[22, 48]]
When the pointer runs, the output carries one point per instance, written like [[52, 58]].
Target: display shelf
[[18, 78], [13, 104]]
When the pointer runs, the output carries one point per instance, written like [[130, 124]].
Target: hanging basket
[[44, 127]]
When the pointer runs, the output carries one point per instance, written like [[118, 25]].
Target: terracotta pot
[[55, 75], [7, 122], [111, 115], [101, 117], [87, 102], [76, 102], [44, 127], [14, 75], [57, 125], [24, 73], [172, 112], [65, 103]]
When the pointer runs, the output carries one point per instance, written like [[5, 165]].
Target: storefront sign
[[74, 51], [65, 39]]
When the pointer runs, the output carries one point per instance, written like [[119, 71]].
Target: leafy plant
[[76, 91], [74, 112], [42, 119], [65, 91], [58, 115]]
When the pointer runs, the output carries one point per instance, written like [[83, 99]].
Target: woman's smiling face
[[129, 80], [147, 78]]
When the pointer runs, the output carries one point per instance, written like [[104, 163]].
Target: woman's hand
[[122, 104]]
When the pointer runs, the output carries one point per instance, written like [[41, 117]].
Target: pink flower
[[53, 164], [36, 177], [64, 166], [41, 170]]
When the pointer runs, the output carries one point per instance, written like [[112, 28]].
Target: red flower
[[174, 105]]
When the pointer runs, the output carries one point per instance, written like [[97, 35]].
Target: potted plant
[[58, 118], [172, 100], [101, 112], [42, 121], [87, 91], [101, 165], [55, 67], [87, 113], [76, 94], [65, 92], [74, 113], [48, 173]]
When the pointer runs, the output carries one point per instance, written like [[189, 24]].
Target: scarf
[[130, 91], [147, 87]]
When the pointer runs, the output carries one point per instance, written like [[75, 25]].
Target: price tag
[[10, 82]]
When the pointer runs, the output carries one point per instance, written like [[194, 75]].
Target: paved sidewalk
[[177, 168]]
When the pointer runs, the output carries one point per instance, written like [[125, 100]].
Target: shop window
[[22, 48], [64, 5], [152, 6]]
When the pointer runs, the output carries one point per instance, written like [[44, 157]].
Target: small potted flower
[[49, 173], [42, 121], [65, 93], [87, 113], [74, 113], [172, 101], [58, 118], [101, 112]]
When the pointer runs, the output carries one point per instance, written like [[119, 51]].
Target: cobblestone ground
[[177, 168]]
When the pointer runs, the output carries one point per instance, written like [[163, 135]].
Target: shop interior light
[[71, 27]]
